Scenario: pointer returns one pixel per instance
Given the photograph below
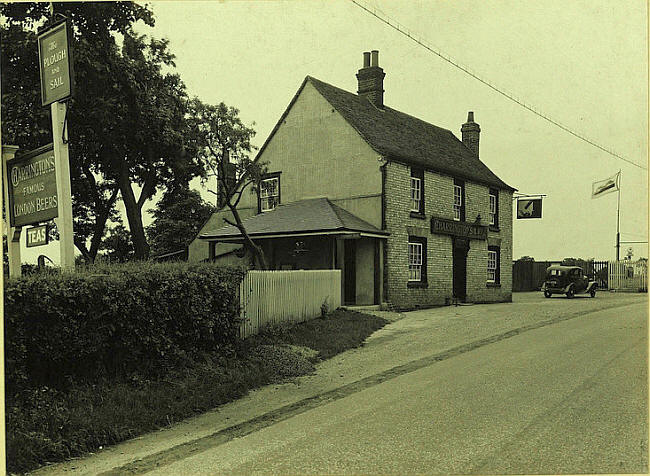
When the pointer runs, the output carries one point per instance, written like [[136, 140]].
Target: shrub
[[115, 320]]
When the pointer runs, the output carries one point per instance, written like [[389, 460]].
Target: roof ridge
[[334, 207], [384, 108]]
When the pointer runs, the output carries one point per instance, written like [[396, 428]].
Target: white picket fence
[[275, 297], [627, 276]]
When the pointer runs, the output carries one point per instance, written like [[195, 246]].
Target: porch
[[316, 234]]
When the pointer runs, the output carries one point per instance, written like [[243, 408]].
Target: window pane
[[269, 193], [492, 266], [415, 261], [416, 193]]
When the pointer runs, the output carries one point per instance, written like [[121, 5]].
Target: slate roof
[[304, 216], [403, 138]]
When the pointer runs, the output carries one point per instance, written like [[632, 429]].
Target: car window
[[555, 272]]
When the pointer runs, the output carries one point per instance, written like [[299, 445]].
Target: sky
[[582, 63]]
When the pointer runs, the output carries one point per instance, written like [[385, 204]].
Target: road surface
[[567, 397]]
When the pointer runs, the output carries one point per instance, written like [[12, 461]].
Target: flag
[[603, 187]]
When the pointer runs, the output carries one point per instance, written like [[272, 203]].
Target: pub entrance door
[[460, 249]]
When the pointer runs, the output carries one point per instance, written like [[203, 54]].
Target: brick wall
[[438, 194]]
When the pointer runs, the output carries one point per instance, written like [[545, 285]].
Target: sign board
[[529, 208], [55, 62], [32, 190], [37, 236], [444, 226]]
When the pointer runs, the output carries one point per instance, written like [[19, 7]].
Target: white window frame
[[493, 209], [416, 194], [268, 201], [415, 261], [458, 201], [492, 266]]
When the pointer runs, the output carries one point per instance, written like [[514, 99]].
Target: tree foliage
[[224, 147], [178, 217], [117, 245], [127, 121]]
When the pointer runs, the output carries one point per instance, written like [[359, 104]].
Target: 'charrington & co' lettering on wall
[[473, 231], [32, 187]]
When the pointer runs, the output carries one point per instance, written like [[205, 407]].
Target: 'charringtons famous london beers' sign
[[32, 187], [56, 64]]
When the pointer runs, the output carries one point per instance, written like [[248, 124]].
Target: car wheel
[[592, 293], [570, 293], [547, 294]]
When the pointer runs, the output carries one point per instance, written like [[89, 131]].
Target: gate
[[628, 276]]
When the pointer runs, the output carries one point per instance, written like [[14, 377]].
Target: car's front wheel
[[570, 293], [592, 293], [547, 294]]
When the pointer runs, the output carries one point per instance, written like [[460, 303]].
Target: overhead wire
[[398, 27]]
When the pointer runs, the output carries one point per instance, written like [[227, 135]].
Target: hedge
[[116, 320]]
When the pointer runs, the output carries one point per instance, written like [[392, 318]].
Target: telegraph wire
[[396, 26]]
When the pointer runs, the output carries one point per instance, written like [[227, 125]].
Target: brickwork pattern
[[439, 202]]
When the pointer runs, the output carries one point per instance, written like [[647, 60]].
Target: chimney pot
[[366, 59], [470, 116], [375, 58]]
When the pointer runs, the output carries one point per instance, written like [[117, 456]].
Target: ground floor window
[[493, 271], [417, 260]]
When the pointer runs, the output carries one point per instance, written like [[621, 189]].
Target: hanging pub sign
[[32, 187], [37, 236], [55, 60], [529, 208]]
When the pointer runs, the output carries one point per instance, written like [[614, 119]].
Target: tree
[[223, 144], [127, 120], [118, 245], [178, 217], [93, 111]]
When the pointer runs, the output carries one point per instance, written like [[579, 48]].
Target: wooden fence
[[628, 276], [275, 297], [528, 275]]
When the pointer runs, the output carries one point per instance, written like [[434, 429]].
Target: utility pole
[[618, 218]]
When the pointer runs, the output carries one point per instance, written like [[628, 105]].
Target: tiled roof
[[403, 138], [304, 216]]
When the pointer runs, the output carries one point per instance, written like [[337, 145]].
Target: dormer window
[[269, 192], [417, 192]]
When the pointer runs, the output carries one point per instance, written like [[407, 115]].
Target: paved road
[[568, 397]]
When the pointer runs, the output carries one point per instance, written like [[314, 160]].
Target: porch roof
[[315, 216]]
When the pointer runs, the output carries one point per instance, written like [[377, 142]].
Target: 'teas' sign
[[55, 63], [37, 236], [32, 190]]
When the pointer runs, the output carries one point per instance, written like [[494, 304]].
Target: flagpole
[[618, 217]]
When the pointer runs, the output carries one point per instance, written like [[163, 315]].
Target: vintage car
[[569, 280]]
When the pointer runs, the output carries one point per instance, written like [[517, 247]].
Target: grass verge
[[46, 425]]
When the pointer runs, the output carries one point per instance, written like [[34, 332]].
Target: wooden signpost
[[57, 85]]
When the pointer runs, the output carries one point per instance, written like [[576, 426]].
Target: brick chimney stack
[[471, 132], [371, 79]]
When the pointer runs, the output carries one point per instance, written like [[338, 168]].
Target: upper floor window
[[494, 207], [459, 200], [269, 193], [417, 191]]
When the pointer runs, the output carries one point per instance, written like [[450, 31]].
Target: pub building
[[405, 209]]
